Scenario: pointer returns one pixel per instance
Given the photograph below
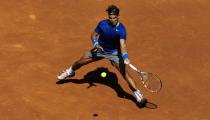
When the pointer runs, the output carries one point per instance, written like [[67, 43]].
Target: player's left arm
[[124, 51], [123, 46]]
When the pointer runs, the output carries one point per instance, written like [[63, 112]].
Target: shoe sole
[[142, 103]]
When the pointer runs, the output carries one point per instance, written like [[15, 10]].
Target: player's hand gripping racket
[[148, 80]]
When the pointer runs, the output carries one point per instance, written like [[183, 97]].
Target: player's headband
[[114, 12]]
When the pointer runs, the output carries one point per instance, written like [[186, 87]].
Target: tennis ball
[[103, 74]]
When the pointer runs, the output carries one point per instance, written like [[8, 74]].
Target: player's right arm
[[95, 35], [94, 38]]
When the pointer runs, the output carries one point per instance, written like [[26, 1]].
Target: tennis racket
[[150, 81]]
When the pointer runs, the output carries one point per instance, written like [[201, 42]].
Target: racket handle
[[133, 67]]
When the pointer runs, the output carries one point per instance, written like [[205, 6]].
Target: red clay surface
[[39, 38]]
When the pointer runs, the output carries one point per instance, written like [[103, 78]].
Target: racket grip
[[134, 68]]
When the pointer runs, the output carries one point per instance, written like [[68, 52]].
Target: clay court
[[38, 39]]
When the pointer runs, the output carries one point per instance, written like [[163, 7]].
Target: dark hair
[[113, 10]]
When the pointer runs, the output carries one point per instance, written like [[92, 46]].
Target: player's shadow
[[111, 80]]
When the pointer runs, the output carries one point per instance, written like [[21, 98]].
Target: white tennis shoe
[[139, 97], [66, 73]]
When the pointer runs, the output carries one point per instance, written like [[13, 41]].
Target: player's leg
[[121, 67], [87, 58]]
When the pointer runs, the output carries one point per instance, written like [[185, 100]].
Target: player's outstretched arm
[[124, 51]]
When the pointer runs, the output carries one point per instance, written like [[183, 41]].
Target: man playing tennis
[[109, 41]]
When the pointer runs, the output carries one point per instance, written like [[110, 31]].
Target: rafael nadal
[[109, 41]]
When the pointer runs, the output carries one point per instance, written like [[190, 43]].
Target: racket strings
[[146, 79], [152, 83]]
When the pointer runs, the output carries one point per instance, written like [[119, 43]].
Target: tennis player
[[109, 41]]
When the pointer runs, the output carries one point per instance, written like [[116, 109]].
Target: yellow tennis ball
[[103, 74]]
